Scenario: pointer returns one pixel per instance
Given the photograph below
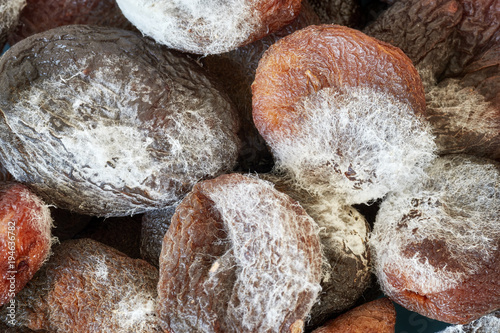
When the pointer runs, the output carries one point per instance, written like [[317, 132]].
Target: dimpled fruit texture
[[42, 15], [436, 245], [89, 287], [103, 122], [342, 111], [455, 46], [9, 16], [208, 27], [239, 256], [25, 237]]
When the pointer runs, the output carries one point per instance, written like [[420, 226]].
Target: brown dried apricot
[[9, 16], [342, 110], [25, 238], [344, 239], [436, 245], [42, 15], [239, 256], [235, 70], [375, 316], [104, 122], [153, 228], [89, 287], [205, 27], [455, 46], [341, 12]]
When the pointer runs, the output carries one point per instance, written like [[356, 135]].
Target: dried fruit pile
[[316, 157]]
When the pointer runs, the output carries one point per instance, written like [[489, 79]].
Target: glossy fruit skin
[[42, 15], [25, 237], [455, 46], [313, 59], [204, 263], [76, 96]]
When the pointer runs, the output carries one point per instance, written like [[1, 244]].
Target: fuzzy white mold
[[106, 143], [9, 12], [275, 269], [456, 203], [486, 324], [361, 145], [194, 26]]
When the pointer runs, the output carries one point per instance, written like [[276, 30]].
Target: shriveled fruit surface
[[208, 28], [9, 17], [342, 111], [42, 15], [375, 316], [341, 12], [104, 122], [235, 70], [154, 226], [344, 239], [455, 45], [89, 287], [485, 324], [25, 237], [239, 256], [436, 245]]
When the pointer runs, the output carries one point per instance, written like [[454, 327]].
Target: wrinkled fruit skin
[[436, 246], [341, 12], [375, 316], [455, 46], [100, 121], [43, 15], [25, 238], [89, 287], [201, 28], [153, 228], [231, 258], [235, 70], [299, 65], [10, 11]]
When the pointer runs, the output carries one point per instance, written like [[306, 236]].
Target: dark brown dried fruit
[[43, 15], [375, 316], [341, 111], [154, 227], [443, 260], [239, 256], [341, 12], [9, 16], [344, 238], [90, 287], [121, 233], [25, 238], [103, 122], [208, 28], [455, 45], [235, 70]]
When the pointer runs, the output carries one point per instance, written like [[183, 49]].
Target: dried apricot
[[235, 70], [42, 15], [153, 228], [455, 46], [344, 239], [239, 256], [104, 122], [205, 27], [9, 16], [89, 287], [436, 245], [342, 111], [341, 12], [375, 316], [25, 238]]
